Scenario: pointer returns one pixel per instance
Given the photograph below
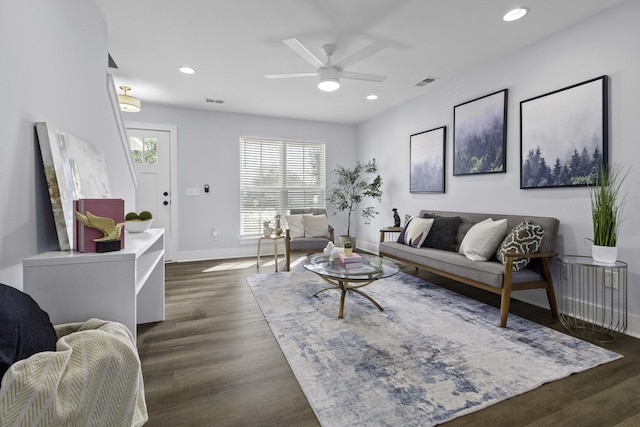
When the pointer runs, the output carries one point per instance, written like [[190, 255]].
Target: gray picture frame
[[564, 136], [427, 161], [480, 135]]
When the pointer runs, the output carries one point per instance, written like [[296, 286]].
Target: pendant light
[[128, 104]]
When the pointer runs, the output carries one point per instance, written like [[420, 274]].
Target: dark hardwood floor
[[214, 362]]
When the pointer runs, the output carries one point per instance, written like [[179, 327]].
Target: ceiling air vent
[[214, 101], [426, 81]]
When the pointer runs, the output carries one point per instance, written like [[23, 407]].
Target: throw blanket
[[94, 378]]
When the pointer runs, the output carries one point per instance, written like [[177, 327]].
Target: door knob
[[165, 193], [165, 203]]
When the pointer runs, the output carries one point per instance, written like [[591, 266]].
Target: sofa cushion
[[443, 232], [490, 272], [524, 238], [482, 240], [25, 329], [315, 226], [296, 226]]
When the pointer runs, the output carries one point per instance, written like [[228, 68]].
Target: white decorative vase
[[604, 254]]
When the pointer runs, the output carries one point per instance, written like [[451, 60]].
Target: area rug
[[432, 355]]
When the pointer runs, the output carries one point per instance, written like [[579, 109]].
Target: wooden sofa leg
[[551, 295], [505, 301]]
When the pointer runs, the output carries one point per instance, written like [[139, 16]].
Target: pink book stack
[[352, 261]]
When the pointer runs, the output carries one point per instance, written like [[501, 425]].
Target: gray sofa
[[490, 275]]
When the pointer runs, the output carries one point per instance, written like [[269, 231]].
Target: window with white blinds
[[277, 176]]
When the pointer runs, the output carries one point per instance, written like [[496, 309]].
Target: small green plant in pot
[[607, 203], [351, 188], [138, 222]]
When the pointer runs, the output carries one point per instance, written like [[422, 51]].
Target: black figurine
[[396, 218]]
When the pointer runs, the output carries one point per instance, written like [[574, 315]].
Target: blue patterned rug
[[430, 356]]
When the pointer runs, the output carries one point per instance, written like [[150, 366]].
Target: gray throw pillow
[[443, 232], [524, 238]]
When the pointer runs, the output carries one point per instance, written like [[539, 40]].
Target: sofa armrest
[[384, 231]]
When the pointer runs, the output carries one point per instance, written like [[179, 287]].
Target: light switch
[[192, 191]]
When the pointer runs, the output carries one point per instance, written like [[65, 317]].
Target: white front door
[[151, 153]]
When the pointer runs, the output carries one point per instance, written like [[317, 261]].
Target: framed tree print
[[480, 135], [564, 136], [427, 161]]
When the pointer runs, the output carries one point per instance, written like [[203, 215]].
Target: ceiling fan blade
[[362, 54], [299, 48], [361, 76], [288, 75]]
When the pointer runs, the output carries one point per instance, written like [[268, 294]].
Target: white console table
[[125, 286]]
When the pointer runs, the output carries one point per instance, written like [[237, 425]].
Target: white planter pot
[[604, 254]]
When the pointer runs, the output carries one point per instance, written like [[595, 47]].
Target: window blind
[[277, 176]]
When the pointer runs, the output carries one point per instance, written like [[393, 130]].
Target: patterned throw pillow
[[524, 238], [417, 231]]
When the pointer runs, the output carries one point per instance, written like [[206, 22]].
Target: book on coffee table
[[353, 258], [339, 262]]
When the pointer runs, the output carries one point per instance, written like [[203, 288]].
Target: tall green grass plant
[[607, 204]]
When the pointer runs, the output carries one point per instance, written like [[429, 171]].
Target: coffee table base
[[343, 285]]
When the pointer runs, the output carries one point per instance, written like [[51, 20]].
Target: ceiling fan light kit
[[128, 104], [329, 74], [328, 79]]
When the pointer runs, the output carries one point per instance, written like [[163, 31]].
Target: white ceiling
[[232, 44]]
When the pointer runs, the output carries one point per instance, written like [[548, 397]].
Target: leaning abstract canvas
[[74, 169]]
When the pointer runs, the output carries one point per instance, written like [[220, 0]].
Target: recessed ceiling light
[[372, 97], [187, 70], [515, 14]]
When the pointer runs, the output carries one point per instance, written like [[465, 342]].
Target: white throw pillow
[[417, 231], [296, 226], [316, 226], [482, 240]]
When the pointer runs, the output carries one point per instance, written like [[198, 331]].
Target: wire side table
[[592, 298]]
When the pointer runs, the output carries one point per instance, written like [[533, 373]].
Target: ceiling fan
[[329, 74]]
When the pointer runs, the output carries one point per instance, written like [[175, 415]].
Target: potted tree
[[607, 203], [352, 187]]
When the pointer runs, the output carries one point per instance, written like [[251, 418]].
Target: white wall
[[605, 44], [208, 153], [54, 64]]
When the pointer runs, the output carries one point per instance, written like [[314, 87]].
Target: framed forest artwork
[[427, 161], [480, 135], [564, 136]]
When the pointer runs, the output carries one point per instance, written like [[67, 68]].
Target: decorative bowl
[[137, 225]]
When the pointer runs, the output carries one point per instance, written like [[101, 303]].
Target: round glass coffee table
[[352, 279]]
